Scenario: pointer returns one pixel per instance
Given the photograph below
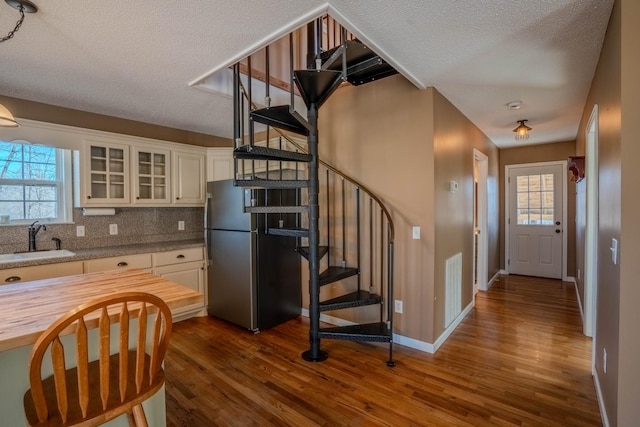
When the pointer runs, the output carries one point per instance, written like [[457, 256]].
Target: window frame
[[63, 184]]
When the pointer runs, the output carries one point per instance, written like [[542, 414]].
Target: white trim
[[570, 279], [265, 41], [590, 261], [342, 20], [507, 170], [579, 301], [603, 410], [401, 339], [481, 200], [493, 279]]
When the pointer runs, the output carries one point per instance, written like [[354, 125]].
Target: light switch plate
[[113, 229], [398, 306], [614, 250], [416, 233], [181, 225], [80, 231]]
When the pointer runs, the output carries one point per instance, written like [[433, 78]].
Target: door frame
[[507, 170], [481, 198], [590, 262]]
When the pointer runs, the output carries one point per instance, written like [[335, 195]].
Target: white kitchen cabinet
[[185, 267], [219, 163], [188, 178], [37, 272], [151, 176], [103, 178], [142, 261]]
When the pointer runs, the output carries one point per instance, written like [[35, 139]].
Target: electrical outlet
[[604, 360], [80, 231], [416, 233], [398, 306], [181, 225], [113, 229]]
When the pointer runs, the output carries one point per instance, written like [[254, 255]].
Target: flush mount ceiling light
[[522, 131], [514, 105], [22, 6], [6, 118]]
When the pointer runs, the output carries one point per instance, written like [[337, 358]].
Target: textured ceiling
[[135, 60]]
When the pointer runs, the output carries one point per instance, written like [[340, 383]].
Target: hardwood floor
[[518, 359]]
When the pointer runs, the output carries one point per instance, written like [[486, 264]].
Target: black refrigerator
[[253, 277]]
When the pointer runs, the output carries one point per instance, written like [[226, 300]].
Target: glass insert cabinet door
[[108, 170], [151, 175]]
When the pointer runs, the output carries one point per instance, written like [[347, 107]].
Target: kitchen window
[[35, 183]]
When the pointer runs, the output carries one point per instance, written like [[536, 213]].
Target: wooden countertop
[[28, 308]]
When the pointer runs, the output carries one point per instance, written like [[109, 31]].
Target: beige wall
[[454, 139], [534, 154], [66, 116], [406, 145], [616, 91]]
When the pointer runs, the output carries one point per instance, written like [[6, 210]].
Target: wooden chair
[[95, 392]]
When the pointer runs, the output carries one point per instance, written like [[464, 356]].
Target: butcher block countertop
[[27, 309]]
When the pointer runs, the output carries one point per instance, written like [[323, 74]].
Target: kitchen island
[[27, 309]]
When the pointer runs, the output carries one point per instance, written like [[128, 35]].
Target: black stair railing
[[350, 205]]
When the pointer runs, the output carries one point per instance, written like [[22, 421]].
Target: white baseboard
[[603, 410], [493, 279], [569, 279], [575, 284], [400, 339], [504, 272]]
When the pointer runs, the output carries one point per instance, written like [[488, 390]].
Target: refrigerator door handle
[[207, 252]]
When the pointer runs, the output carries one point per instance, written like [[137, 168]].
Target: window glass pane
[[23, 169], [535, 202]]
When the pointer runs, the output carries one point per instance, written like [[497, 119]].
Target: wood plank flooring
[[518, 359]]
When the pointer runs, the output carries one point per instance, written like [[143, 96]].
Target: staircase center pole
[[314, 354]]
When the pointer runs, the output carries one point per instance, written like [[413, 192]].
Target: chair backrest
[[112, 384]]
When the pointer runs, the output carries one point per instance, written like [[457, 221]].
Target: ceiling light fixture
[[514, 105], [22, 6], [6, 118], [522, 131]]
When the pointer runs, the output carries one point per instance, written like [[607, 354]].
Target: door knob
[[557, 222], [557, 231]]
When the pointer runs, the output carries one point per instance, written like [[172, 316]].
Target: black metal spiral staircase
[[353, 62]]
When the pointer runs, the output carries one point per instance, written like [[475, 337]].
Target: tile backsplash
[[135, 225]]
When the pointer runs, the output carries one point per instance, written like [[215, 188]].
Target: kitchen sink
[[28, 256]]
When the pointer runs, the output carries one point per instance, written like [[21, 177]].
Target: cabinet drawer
[[178, 256], [124, 262], [37, 272]]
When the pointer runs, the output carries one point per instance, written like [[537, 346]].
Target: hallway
[[518, 359]]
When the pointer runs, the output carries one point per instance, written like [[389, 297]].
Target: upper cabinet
[[159, 174], [219, 163], [104, 175], [189, 178], [151, 176]]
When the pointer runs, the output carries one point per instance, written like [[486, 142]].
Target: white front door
[[535, 220]]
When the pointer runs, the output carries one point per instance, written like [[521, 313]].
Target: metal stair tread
[[282, 118], [354, 299], [362, 332], [363, 64], [304, 251], [271, 183], [290, 232], [316, 85], [334, 273], [258, 152]]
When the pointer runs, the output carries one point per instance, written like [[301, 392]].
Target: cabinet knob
[[122, 264], [177, 198], [138, 197], [13, 279], [88, 197]]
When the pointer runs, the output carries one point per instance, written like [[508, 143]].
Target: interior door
[[535, 221]]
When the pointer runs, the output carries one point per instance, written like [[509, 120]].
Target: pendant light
[[6, 118], [522, 131]]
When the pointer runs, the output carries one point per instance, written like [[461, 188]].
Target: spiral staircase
[[342, 229]]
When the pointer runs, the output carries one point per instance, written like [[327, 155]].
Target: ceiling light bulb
[[522, 131]]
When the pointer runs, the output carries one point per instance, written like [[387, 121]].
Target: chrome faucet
[[33, 230]]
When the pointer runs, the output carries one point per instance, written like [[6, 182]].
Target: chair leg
[[137, 417]]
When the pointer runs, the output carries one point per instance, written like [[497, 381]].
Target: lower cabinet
[[184, 267], [38, 272]]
